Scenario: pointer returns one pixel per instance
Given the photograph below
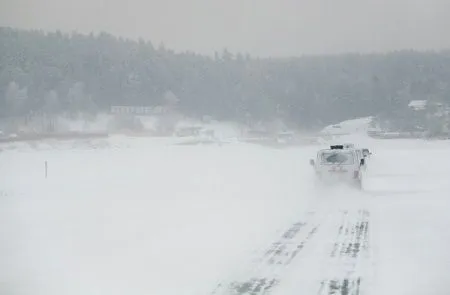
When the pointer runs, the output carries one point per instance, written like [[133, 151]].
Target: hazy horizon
[[264, 28]]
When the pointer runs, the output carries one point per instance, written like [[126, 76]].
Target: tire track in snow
[[345, 269], [270, 266]]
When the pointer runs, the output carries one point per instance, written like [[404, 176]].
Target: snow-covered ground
[[144, 216]]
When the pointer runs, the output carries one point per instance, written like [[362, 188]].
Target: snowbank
[[354, 126]]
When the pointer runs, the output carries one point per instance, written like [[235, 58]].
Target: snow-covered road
[[147, 217]]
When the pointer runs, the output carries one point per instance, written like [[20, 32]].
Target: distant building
[[418, 105], [188, 131], [137, 110]]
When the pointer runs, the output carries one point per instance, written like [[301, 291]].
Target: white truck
[[339, 164]]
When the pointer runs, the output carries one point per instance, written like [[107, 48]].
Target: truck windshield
[[337, 157]]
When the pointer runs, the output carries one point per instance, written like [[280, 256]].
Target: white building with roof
[[418, 105]]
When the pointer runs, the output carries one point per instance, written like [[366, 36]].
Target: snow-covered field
[[144, 216]]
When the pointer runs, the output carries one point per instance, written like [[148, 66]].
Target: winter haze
[[259, 27], [174, 147]]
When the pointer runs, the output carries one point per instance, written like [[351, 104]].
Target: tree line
[[55, 72]]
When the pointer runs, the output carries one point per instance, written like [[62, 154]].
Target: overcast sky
[[259, 27]]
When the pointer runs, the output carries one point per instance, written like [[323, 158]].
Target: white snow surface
[[144, 216]]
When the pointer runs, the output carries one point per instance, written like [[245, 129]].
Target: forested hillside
[[57, 72]]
